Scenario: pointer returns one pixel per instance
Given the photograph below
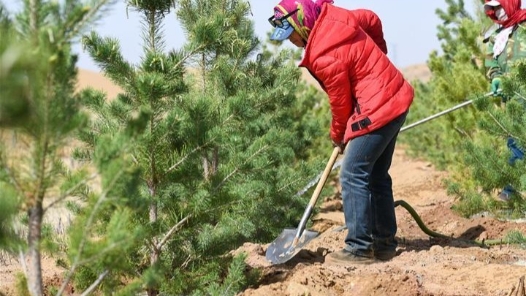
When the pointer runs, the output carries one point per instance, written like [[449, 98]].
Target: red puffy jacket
[[366, 91]]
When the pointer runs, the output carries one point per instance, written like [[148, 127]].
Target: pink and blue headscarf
[[303, 20]]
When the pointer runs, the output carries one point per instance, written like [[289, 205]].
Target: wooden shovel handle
[[324, 176], [315, 195]]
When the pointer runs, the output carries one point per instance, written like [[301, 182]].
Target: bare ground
[[423, 266]]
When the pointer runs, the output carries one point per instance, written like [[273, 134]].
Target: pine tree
[[311, 113], [40, 82], [471, 142], [214, 138], [457, 76], [495, 156], [141, 113]]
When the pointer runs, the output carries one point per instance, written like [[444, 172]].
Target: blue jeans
[[516, 154], [367, 192]]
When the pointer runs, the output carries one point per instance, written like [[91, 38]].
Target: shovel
[[290, 241]]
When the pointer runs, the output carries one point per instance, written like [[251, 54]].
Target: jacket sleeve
[[335, 78], [492, 65], [372, 25]]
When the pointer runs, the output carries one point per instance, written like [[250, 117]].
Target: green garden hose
[[482, 244]]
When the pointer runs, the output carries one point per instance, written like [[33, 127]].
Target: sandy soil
[[423, 266]]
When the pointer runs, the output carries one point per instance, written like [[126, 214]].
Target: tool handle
[[324, 176], [317, 191], [441, 113], [435, 116]]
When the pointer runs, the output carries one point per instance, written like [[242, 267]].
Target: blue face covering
[[282, 32]]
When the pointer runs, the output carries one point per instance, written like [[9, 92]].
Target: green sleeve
[[492, 65]]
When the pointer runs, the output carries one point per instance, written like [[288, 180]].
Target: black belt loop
[[360, 124]]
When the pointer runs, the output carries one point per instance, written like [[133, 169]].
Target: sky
[[410, 28]]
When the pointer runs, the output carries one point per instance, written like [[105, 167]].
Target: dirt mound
[[423, 266]]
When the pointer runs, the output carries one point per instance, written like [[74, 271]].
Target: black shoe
[[385, 255]]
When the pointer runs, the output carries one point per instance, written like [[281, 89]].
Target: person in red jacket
[[369, 100]]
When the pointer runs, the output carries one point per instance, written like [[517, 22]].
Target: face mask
[[491, 14], [500, 14]]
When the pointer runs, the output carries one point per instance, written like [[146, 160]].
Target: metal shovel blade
[[287, 245], [290, 241]]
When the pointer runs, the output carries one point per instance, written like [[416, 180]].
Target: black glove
[[340, 145]]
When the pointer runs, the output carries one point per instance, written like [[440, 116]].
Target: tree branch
[[67, 193], [173, 167], [171, 232], [520, 96], [95, 283], [100, 253], [190, 54], [501, 126], [238, 168], [88, 17], [289, 185], [13, 180], [22, 261], [176, 227]]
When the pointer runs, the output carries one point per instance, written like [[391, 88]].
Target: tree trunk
[[153, 211], [206, 167], [154, 252], [34, 6], [36, 212], [34, 273], [154, 257], [210, 165]]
